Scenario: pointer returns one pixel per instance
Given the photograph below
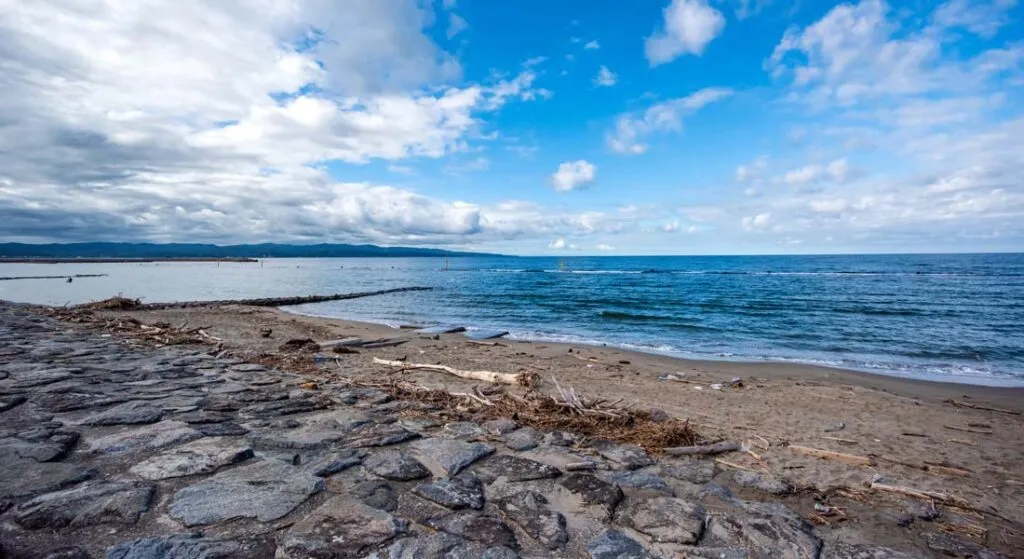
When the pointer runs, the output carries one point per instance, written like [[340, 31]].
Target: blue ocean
[[957, 318]]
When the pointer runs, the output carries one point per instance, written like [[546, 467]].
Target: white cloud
[[757, 222], [753, 170], [456, 25], [592, 45], [573, 175], [401, 169], [983, 18], [665, 116], [536, 60], [751, 192], [449, 4], [692, 229], [472, 166], [688, 27], [557, 244], [671, 227], [837, 171], [604, 247], [605, 77]]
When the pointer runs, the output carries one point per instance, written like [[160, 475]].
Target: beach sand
[[980, 452]]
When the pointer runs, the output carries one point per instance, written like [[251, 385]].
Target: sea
[[954, 318]]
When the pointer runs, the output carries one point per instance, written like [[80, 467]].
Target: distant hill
[[188, 250]]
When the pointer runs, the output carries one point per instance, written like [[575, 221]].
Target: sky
[[529, 127]]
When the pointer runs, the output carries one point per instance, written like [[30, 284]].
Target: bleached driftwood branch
[[704, 450], [486, 376]]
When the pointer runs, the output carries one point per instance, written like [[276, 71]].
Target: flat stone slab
[[150, 437], [529, 510], [379, 435], [664, 519], [692, 470], [189, 546], [523, 439], [613, 544], [513, 468], [86, 505], [629, 456], [443, 545], [451, 456], [318, 431], [22, 477], [763, 482], [333, 463], [41, 445], [480, 528], [129, 413], [396, 466], [594, 490], [265, 490], [455, 493], [341, 527], [203, 456]]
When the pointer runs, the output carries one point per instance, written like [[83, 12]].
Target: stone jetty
[[133, 452]]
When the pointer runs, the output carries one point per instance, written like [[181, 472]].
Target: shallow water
[[943, 317]]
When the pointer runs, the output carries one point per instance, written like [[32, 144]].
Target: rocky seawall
[[129, 452]]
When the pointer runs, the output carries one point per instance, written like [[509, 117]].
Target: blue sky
[[664, 127]]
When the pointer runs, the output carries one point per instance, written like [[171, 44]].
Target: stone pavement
[[108, 450]]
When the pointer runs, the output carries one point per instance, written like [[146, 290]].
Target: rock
[[277, 408], [178, 546], [629, 456], [67, 553], [226, 429], [513, 468], [151, 437], [198, 457], [341, 527], [462, 430], [86, 505], [481, 528], [847, 551], [396, 465], [450, 456], [304, 345], [444, 546], [594, 491], [129, 413], [612, 544], [764, 529], [456, 493], [200, 417], [10, 402], [500, 427], [22, 477], [561, 438], [523, 439], [664, 519], [529, 510], [377, 494], [318, 431], [47, 446], [764, 482], [645, 480], [692, 470], [947, 545], [379, 435], [265, 490], [333, 463]]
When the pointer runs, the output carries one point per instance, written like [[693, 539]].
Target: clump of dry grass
[[114, 304]]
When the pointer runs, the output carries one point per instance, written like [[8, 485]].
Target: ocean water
[[957, 318]]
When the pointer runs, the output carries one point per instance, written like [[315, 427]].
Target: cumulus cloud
[[666, 116], [753, 170], [756, 222], [456, 25], [837, 171], [573, 175], [671, 227], [605, 77], [687, 28], [592, 45], [604, 247]]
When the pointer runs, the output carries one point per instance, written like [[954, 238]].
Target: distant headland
[[149, 252]]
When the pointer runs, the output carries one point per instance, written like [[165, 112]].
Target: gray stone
[[477, 527], [594, 491], [276, 408], [265, 490], [628, 456], [763, 482], [451, 456], [204, 456], [523, 439], [612, 544], [52, 445], [442, 546], [32, 379], [513, 468], [377, 494], [226, 429], [693, 471], [129, 413], [10, 402], [22, 477], [947, 545], [67, 553], [462, 430], [561, 438], [341, 527], [333, 463], [396, 465], [86, 505], [765, 531], [500, 427], [200, 417], [529, 510], [847, 551], [642, 480], [150, 437], [664, 519], [318, 431], [379, 435], [456, 493], [60, 403], [180, 546]]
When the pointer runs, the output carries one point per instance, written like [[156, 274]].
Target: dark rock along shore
[[129, 452]]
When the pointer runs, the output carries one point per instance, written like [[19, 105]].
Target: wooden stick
[[703, 450], [911, 434], [977, 407], [968, 429], [486, 376], [963, 441], [921, 494], [832, 455], [732, 465], [488, 344], [840, 440]]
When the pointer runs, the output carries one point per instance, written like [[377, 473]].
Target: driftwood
[[832, 455], [488, 344], [921, 494], [930, 467], [977, 407], [704, 450], [486, 376], [968, 429], [136, 305]]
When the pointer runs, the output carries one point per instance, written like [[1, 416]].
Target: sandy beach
[[923, 435]]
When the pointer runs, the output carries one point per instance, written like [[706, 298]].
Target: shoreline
[[116, 260], [994, 383]]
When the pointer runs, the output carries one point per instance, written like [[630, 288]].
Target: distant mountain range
[[189, 250]]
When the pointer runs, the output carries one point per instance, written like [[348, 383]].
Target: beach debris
[[486, 376], [114, 304], [877, 485], [704, 450], [343, 350], [732, 465], [295, 345], [840, 440], [977, 407], [912, 434], [968, 429], [716, 386], [963, 442], [930, 467], [265, 332], [736, 382], [386, 342], [486, 334], [442, 330], [488, 344], [835, 428], [832, 455], [676, 378]]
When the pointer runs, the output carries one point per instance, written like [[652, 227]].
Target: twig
[[732, 465], [704, 450], [840, 440], [977, 407], [922, 494], [488, 376], [968, 429]]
